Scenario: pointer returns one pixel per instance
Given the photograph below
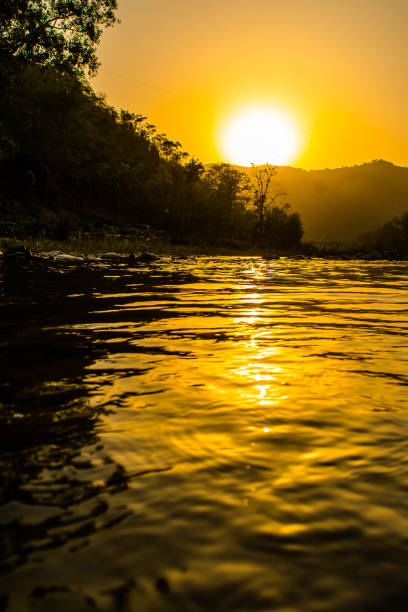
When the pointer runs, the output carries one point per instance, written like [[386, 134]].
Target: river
[[213, 433]]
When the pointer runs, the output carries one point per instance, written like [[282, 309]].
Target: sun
[[260, 135]]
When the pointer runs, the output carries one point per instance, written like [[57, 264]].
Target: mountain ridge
[[341, 204]]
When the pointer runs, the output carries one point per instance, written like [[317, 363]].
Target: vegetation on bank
[[71, 165], [76, 172], [157, 244], [154, 243], [391, 238], [390, 241], [338, 205]]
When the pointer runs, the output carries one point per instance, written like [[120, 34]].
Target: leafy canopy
[[58, 33]]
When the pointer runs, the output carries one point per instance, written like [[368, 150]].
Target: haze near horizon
[[335, 70]]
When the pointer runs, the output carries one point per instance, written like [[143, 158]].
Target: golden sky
[[338, 68]]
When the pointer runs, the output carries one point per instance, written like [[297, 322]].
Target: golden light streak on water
[[224, 433]]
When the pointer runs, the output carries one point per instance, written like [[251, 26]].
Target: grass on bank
[[92, 245], [87, 245]]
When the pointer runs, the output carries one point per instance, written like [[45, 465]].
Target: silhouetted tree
[[263, 182], [282, 229], [391, 237], [59, 33], [67, 157], [229, 191]]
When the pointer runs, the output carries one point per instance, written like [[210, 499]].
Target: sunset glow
[[204, 386], [259, 135], [312, 61]]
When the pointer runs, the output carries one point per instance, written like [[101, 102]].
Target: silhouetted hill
[[341, 204]]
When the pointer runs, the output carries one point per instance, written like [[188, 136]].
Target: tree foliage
[[392, 237], [58, 33], [262, 176], [283, 228], [275, 224], [69, 161]]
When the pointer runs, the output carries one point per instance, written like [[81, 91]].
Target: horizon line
[[367, 163]]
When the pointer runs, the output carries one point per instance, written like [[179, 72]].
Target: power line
[[157, 88], [168, 91], [138, 82]]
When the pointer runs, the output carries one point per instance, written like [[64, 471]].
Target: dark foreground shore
[[137, 249]]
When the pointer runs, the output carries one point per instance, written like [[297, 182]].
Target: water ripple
[[224, 433]]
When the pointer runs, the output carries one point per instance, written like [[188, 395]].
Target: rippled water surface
[[224, 434]]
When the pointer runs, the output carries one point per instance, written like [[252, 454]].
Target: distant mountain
[[343, 203]]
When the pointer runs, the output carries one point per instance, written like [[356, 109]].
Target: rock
[[269, 256], [68, 258], [113, 256], [18, 253], [162, 585], [146, 257], [372, 256], [117, 257]]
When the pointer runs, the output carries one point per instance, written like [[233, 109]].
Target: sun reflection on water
[[242, 434]]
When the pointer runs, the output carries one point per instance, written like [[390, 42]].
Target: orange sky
[[338, 68]]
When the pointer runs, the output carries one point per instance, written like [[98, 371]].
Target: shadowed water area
[[225, 434]]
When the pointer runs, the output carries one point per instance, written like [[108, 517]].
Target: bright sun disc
[[260, 136]]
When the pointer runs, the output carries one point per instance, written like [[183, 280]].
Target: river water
[[224, 434]]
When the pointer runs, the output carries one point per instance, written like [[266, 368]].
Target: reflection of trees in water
[[53, 464], [47, 420], [44, 399]]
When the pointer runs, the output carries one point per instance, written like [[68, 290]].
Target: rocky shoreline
[[22, 254]]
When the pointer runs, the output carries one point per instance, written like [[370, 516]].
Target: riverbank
[[153, 243], [159, 245]]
